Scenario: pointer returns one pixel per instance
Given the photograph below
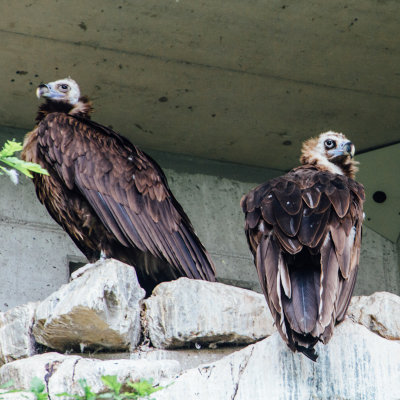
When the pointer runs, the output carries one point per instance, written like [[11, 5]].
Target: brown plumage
[[110, 197], [304, 230]]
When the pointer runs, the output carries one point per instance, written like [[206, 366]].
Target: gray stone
[[355, 364], [379, 312], [62, 373], [21, 372], [99, 309], [189, 312], [16, 339], [70, 372], [17, 396], [187, 358]]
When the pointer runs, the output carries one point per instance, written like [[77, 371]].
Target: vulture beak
[[344, 149], [42, 90], [48, 91], [349, 149]]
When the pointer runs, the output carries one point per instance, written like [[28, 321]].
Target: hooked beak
[[344, 149], [42, 90], [349, 149], [48, 92]]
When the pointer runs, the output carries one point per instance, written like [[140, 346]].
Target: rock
[[188, 311], [18, 396], [21, 372], [99, 309], [62, 373], [161, 372], [379, 312], [16, 339], [187, 358], [355, 364]]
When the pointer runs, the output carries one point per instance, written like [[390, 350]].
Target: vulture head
[[330, 151], [64, 90]]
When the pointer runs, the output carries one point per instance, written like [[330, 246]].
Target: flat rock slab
[[187, 358], [379, 312], [62, 373], [187, 312], [356, 364], [16, 339], [99, 309]]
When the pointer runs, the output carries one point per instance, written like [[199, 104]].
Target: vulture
[[304, 231], [111, 198]]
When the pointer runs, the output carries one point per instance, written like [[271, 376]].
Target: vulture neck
[[83, 108], [345, 166]]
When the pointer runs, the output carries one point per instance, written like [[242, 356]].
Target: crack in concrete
[[242, 368]]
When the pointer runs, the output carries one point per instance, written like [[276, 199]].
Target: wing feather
[[329, 282]]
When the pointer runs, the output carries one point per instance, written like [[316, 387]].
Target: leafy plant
[[7, 157], [144, 388], [88, 394], [141, 390], [38, 389]]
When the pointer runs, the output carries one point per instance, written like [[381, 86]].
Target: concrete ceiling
[[240, 81]]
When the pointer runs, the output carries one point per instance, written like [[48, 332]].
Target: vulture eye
[[330, 144], [63, 87]]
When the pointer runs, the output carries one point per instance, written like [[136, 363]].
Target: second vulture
[[304, 230], [111, 198]]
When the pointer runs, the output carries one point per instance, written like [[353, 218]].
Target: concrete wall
[[35, 253]]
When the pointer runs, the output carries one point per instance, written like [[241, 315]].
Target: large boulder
[[355, 364], [379, 312], [16, 339], [99, 309], [188, 312]]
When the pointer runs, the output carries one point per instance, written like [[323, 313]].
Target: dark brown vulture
[[304, 230], [110, 197]]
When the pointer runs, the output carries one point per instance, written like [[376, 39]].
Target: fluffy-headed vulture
[[304, 230], [111, 198]]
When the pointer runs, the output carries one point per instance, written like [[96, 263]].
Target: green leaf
[[10, 147], [112, 382], [37, 386], [7, 157], [144, 387], [89, 395], [24, 166]]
